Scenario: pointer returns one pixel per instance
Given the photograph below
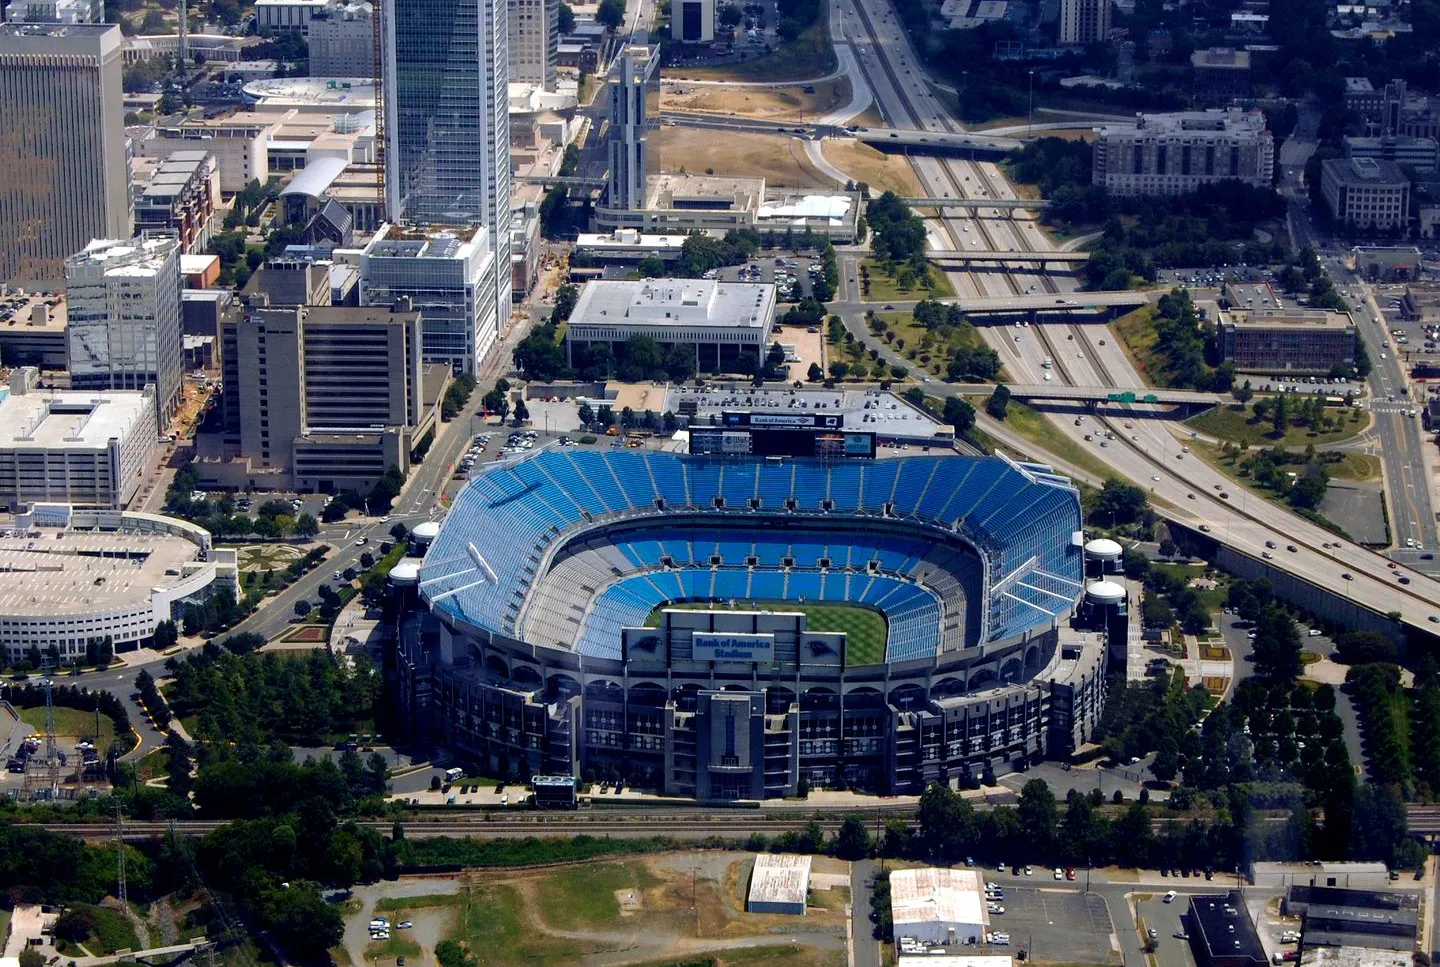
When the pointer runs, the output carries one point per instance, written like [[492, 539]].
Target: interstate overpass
[[1073, 302], [968, 256], [1011, 204], [1061, 393], [912, 140]]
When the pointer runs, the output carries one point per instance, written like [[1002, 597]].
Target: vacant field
[[881, 171], [779, 160], [1355, 466], [885, 287], [71, 724], [1237, 424], [811, 56], [865, 628], [905, 327], [791, 103]]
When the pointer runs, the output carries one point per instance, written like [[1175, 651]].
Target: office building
[[1170, 154], [342, 40], [1362, 98], [1311, 341], [448, 120], [692, 21], [320, 397], [1084, 21], [179, 198], [287, 16], [84, 448], [32, 329], [1422, 154], [124, 326], [634, 117], [54, 11], [779, 883], [64, 174], [938, 906], [1221, 73], [1366, 193], [449, 277], [720, 321], [534, 39], [1388, 263], [1421, 303], [1222, 933], [240, 145]]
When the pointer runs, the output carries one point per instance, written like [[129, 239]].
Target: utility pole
[[120, 890], [1030, 127]]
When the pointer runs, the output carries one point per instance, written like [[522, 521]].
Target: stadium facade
[[546, 630]]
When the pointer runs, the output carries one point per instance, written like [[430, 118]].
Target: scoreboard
[[782, 434]]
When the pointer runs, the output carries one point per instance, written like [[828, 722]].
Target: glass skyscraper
[[447, 121]]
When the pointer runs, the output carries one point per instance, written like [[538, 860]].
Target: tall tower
[[1084, 21], [634, 115], [534, 41], [447, 118], [64, 172]]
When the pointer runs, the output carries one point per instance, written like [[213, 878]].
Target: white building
[[1084, 21], [534, 40], [124, 318], [779, 883], [106, 574], [449, 275], [1170, 154], [342, 40], [54, 11], [1422, 154], [83, 448], [693, 21], [628, 244], [720, 321], [276, 16], [1366, 192], [938, 906]]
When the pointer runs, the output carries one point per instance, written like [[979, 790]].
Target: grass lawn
[[71, 722], [111, 931], [811, 56], [761, 102], [1355, 466], [1038, 429], [584, 896], [494, 930], [1235, 423], [1213, 599], [151, 765], [962, 337], [778, 158], [397, 946], [1139, 339], [395, 904], [881, 171], [865, 628], [884, 287]]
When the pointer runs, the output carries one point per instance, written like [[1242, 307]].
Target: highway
[[1151, 453]]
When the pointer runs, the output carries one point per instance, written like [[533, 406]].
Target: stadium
[[733, 627]]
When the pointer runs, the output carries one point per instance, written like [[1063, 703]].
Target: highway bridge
[[912, 140], [1002, 203], [1060, 393], [1074, 302], [968, 256]]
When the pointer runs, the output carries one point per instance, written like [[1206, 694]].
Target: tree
[[1167, 759], [959, 414], [31, 957], [815, 374], [565, 21], [839, 369], [1120, 502], [999, 402], [166, 635], [522, 412], [852, 842], [74, 926], [730, 16], [1038, 815], [610, 14], [1243, 393], [565, 298], [306, 526]]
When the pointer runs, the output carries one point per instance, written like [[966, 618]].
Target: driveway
[[432, 925]]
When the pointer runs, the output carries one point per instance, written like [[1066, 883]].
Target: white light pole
[[1030, 128]]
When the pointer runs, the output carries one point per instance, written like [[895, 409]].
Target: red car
[[1070, 873]]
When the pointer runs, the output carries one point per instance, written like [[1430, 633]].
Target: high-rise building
[[449, 277], [634, 114], [54, 11], [1366, 193], [1169, 154], [693, 21], [447, 120], [342, 40], [1084, 21], [534, 40], [124, 318], [64, 172]]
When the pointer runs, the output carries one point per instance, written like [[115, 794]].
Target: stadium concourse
[[585, 612]]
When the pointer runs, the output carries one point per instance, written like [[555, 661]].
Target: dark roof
[[1221, 922], [1342, 938], [332, 222], [1337, 896]]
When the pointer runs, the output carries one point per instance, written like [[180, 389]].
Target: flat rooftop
[[77, 572], [780, 878], [1225, 926], [20, 312], [932, 895], [704, 192], [862, 410], [1354, 957], [676, 302], [1284, 318], [1365, 171], [69, 419]]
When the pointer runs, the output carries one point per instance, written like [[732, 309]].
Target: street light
[[1030, 128]]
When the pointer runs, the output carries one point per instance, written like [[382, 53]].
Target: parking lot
[[1054, 925], [1171, 947], [790, 275]]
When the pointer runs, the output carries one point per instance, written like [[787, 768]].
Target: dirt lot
[[761, 102], [606, 914], [779, 160], [881, 171]]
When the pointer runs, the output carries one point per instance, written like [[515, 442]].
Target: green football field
[[865, 628]]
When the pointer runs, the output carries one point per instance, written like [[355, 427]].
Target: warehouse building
[[721, 322], [1222, 933], [779, 883], [938, 906]]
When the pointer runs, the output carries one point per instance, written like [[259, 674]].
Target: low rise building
[[179, 198], [677, 203], [1337, 916], [1311, 341], [1362, 98], [239, 143], [1366, 193], [54, 11], [32, 330], [1169, 154], [721, 322], [779, 883], [1354, 957], [90, 449], [1421, 302], [693, 21], [1422, 154], [628, 245], [938, 906], [1221, 73], [1387, 263], [1222, 933]]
